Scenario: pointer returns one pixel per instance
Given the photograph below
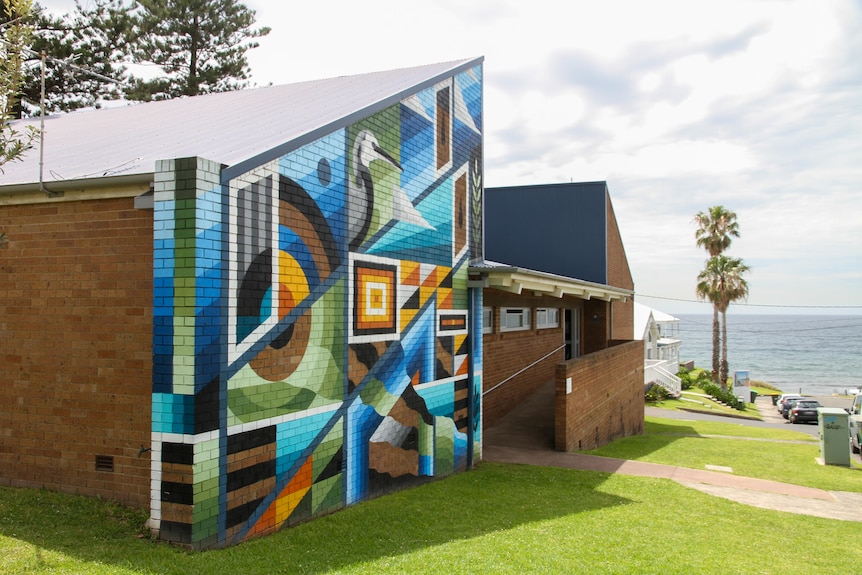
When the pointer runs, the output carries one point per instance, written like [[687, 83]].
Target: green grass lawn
[[765, 455], [764, 389], [729, 428], [706, 405], [497, 519]]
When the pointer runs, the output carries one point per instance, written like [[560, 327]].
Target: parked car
[[803, 410], [854, 423], [788, 405], [783, 398]]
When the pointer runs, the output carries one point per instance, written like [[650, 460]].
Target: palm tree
[[721, 282], [705, 291], [715, 227]]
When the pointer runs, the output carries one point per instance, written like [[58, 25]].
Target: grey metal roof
[[232, 128]]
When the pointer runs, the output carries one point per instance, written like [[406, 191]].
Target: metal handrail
[[514, 375]]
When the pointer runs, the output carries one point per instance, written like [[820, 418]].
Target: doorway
[[572, 333]]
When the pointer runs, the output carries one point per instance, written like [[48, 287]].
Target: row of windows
[[518, 318]]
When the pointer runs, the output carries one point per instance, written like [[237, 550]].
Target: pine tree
[[196, 46], [83, 62], [199, 45], [15, 42]]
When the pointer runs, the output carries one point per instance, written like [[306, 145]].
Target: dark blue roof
[[554, 228]]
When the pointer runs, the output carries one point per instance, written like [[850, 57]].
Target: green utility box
[[834, 436]]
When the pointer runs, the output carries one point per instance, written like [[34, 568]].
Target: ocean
[[811, 354]]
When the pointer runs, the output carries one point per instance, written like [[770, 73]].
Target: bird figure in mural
[[360, 194]]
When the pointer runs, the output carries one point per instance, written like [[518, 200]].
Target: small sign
[[740, 386]]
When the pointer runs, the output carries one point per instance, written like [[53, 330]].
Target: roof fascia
[[244, 166], [516, 280], [76, 190]]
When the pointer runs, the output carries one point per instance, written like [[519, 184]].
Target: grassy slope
[[496, 519], [705, 405], [684, 443]]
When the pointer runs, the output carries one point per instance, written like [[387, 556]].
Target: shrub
[[655, 393], [703, 378], [684, 376], [724, 396]]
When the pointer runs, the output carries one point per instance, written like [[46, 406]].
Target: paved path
[[526, 437]]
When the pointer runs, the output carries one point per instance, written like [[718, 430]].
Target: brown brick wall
[[596, 326], [506, 353], [623, 319], [606, 401], [620, 276], [76, 347]]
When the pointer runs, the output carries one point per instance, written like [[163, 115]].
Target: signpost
[[741, 385]]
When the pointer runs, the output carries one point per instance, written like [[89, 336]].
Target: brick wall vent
[[105, 463]]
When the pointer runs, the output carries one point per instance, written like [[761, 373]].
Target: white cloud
[[679, 105]]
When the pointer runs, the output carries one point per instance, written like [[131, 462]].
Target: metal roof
[[517, 280], [642, 314], [240, 129]]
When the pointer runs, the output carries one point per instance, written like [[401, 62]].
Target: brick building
[[560, 309], [247, 309]]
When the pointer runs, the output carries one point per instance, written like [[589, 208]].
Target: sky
[[755, 105]]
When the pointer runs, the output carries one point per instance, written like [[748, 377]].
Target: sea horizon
[[815, 354]]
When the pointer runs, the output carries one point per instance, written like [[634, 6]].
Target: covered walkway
[[528, 426]]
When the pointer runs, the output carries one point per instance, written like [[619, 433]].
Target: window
[[547, 317], [487, 320], [515, 318]]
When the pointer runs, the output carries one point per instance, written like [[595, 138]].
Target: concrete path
[[526, 437]]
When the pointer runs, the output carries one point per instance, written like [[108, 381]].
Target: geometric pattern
[[375, 308], [315, 342]]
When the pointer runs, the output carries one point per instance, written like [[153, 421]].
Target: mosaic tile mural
[[314, 342]]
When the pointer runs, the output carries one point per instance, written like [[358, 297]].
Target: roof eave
[[123, 186], [517, 280]]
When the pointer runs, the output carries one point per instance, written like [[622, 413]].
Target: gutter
[[105, 187]]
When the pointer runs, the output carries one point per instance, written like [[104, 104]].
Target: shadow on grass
[[526, 436], [618, 456], [492, 498], [652, 427]]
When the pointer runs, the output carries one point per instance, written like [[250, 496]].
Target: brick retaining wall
[[606, 400]]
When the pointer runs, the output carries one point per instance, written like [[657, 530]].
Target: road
[[771, 417]]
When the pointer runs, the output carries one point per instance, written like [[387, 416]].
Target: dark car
[[788, 405], [781, 404], [804, 410]]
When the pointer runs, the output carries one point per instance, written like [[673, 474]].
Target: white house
[[660, 334]]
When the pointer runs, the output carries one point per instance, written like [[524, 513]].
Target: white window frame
[[514, 312], [547, 317], [487, 319]]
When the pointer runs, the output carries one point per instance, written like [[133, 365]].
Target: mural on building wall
[[318, 352]]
